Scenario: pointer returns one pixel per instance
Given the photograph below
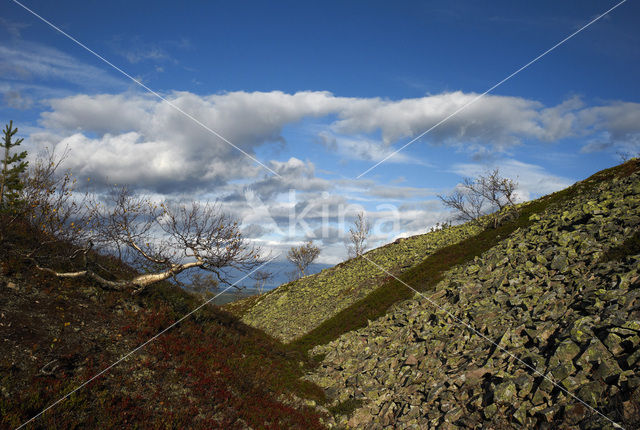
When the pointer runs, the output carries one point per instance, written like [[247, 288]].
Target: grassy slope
[[298, 307], [211, 371], [427, 274]]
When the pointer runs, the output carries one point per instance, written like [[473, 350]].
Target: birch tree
[[358, 235], [159, 240], [302, 256], [478, 197]]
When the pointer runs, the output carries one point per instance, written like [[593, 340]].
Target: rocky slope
[[541, 331], [296, 308]]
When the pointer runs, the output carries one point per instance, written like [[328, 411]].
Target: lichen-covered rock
[[538, 332], [505, 392]]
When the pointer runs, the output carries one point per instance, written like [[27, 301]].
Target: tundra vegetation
[[555, 285], [560, 278], [158, 239], [539, 330]]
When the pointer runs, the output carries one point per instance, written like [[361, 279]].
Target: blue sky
[[319, 92]]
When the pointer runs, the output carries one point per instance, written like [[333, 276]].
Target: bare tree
[[302, 256], [475, 198], [499, 191], [468, 205], [625, 156], [262, 277], [358, 235], [54, 204], [49, 204], [160, 240]]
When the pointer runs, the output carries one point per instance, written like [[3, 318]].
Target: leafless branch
[[475, 198], [261, 277], [161, 240]]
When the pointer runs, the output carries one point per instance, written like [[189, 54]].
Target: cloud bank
[[110, 134], [133, 138]]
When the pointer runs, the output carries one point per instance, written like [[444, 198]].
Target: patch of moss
[[285, 312]]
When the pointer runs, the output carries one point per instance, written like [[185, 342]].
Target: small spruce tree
[[13, 166]]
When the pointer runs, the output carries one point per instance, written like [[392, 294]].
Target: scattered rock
[[411, 360], [505, 392]]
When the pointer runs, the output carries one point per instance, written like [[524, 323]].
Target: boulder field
[[541, 331]]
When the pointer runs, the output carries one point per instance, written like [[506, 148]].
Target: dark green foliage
[[13, 166]]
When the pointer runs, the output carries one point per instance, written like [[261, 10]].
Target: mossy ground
[[346, 408], [630, 246], [542, 298]]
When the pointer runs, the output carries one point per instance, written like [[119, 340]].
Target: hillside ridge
[[325, 294], [210, 371], [318, 308], [561, 295], [558, 288]]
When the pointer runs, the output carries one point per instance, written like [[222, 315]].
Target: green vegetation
[[559, 295], [213, 371], [348, 295]]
